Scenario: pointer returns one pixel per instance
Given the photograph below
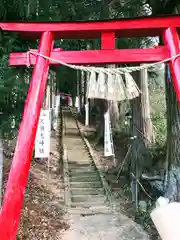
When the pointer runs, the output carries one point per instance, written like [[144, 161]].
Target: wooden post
[[147, 127]]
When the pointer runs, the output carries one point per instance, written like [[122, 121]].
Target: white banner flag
[[70, 102], [108, 141], [87, 114], [77, 104], [42, 142], [57, 104], [48, 97]]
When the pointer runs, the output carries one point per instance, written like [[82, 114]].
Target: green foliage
[[158, 109], [66, 79], [12, 86], [160, 128]]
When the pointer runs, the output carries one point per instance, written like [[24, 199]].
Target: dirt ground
[[42, 215]]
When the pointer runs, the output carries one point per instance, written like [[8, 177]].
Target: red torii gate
[[167, 27]]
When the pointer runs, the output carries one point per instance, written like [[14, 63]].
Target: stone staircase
[[86, 191]]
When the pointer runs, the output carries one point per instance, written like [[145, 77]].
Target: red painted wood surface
[[171, 39], [108, 40], [98, 56], [14, 194], [148, 26]]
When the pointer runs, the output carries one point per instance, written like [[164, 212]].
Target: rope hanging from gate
[[113, 84]]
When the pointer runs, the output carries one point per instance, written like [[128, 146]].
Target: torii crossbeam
[[108, 31]]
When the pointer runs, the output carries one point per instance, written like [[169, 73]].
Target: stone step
[[74, 141], [88, 198], [84, 174], [82, 167], [80, 164], [87, 191], [86, 184], [82, 170], [80, 155], [83, 163], [80, 151], [88, 204], [90, 211], [75, 145], [76, 178]]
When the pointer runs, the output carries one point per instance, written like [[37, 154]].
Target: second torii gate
[[108, 31]]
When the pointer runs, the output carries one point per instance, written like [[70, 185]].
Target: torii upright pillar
[[13, 198], [171, 39]]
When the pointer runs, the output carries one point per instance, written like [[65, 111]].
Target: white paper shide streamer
[[111, 86], [87, 114], [92, 85], [42, 142], [131, 88], [108, 141]]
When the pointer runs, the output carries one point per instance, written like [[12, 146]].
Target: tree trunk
[[172, 163], [147, 127], [114, 113], [37, 8], [113, 107], [142, 130]]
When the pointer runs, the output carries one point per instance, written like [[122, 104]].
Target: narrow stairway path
[[86, 189], [88, 207]]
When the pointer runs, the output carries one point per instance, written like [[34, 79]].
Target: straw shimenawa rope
[[109, 85], [101, 69]]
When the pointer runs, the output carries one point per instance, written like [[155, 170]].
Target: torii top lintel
[[136, 27]]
